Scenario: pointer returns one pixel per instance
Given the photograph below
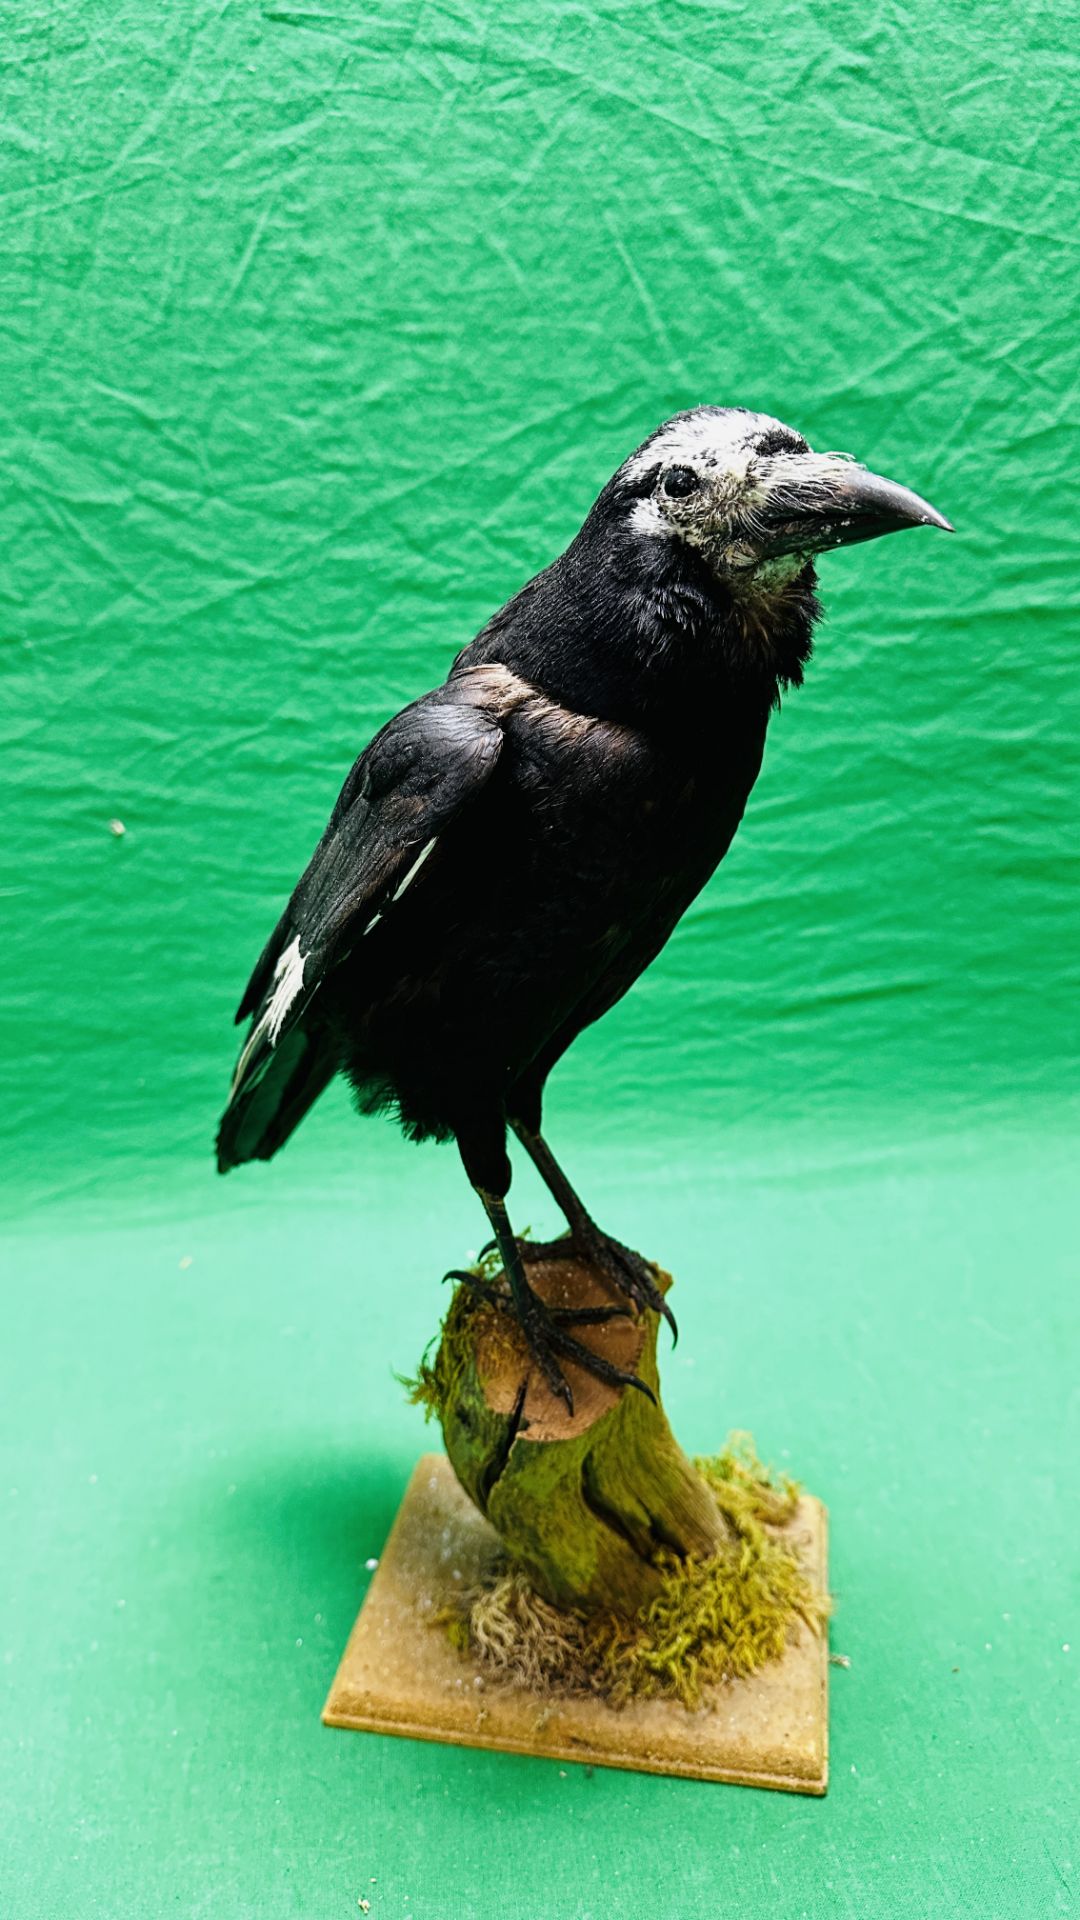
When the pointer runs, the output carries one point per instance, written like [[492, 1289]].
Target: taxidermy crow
[[512, 851]]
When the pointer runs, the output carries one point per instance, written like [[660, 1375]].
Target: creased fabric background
[[321, 327]]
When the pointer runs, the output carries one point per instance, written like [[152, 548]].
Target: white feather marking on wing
[[288, 981], [400, 888], [414, 869]]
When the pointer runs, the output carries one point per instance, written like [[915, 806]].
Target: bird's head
[[753, 499], [714, 524]]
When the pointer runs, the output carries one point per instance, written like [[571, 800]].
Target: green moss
[[750, 1495], [713, 1619], [689, 1619], [437, 1383]]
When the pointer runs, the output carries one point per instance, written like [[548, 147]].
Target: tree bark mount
[[616, 1590], [588, 1504]]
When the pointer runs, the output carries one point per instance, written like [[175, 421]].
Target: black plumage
[[513, 849]]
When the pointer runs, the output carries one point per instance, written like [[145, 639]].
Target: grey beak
[[838, 505]]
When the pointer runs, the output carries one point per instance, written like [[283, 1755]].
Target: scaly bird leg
[[544, 1329], [629, 1271]]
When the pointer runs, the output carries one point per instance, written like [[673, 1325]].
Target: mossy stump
[[593, 1506], [613, 1574]]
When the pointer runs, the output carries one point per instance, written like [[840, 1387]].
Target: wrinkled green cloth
[[320, 330]]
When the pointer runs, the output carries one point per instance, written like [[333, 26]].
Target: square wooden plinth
[[400, 1674]]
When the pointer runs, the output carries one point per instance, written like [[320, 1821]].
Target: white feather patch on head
[[719, 442], [742, 486], [647, 517], [802, 470]]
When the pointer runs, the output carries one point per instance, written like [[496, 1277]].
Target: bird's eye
[[679, 481]]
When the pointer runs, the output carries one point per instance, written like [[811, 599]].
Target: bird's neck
[[646, 635]]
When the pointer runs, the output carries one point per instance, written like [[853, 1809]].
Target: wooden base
[[400, 1674]]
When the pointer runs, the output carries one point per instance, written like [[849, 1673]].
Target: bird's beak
[[812, 502]]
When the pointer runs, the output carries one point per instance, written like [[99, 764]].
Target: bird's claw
[[545, 1335], [638, 1282], [501, 1297], [630, 1272], [543, 1328], [465, 1277]]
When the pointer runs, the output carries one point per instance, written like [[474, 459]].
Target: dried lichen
[[714, 1619]]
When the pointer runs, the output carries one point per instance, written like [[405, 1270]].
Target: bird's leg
[[481, 1138], [545, 1329], [629, 1271]]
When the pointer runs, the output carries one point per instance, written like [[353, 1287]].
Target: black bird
[[514, 849]]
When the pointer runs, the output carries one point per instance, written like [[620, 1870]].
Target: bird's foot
[[630, 1272], [547, 1338], [502, 1298]]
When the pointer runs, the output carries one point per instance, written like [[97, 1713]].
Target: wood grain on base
[[400, 1674]]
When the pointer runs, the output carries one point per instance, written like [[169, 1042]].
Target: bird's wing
[[405, 789]]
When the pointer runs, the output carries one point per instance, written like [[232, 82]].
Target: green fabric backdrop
[[321, 326]]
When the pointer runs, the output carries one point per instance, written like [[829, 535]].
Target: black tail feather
[[260, 1117]]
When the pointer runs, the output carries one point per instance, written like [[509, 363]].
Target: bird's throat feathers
[[646, 633], [688, 635], [769, 630]]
